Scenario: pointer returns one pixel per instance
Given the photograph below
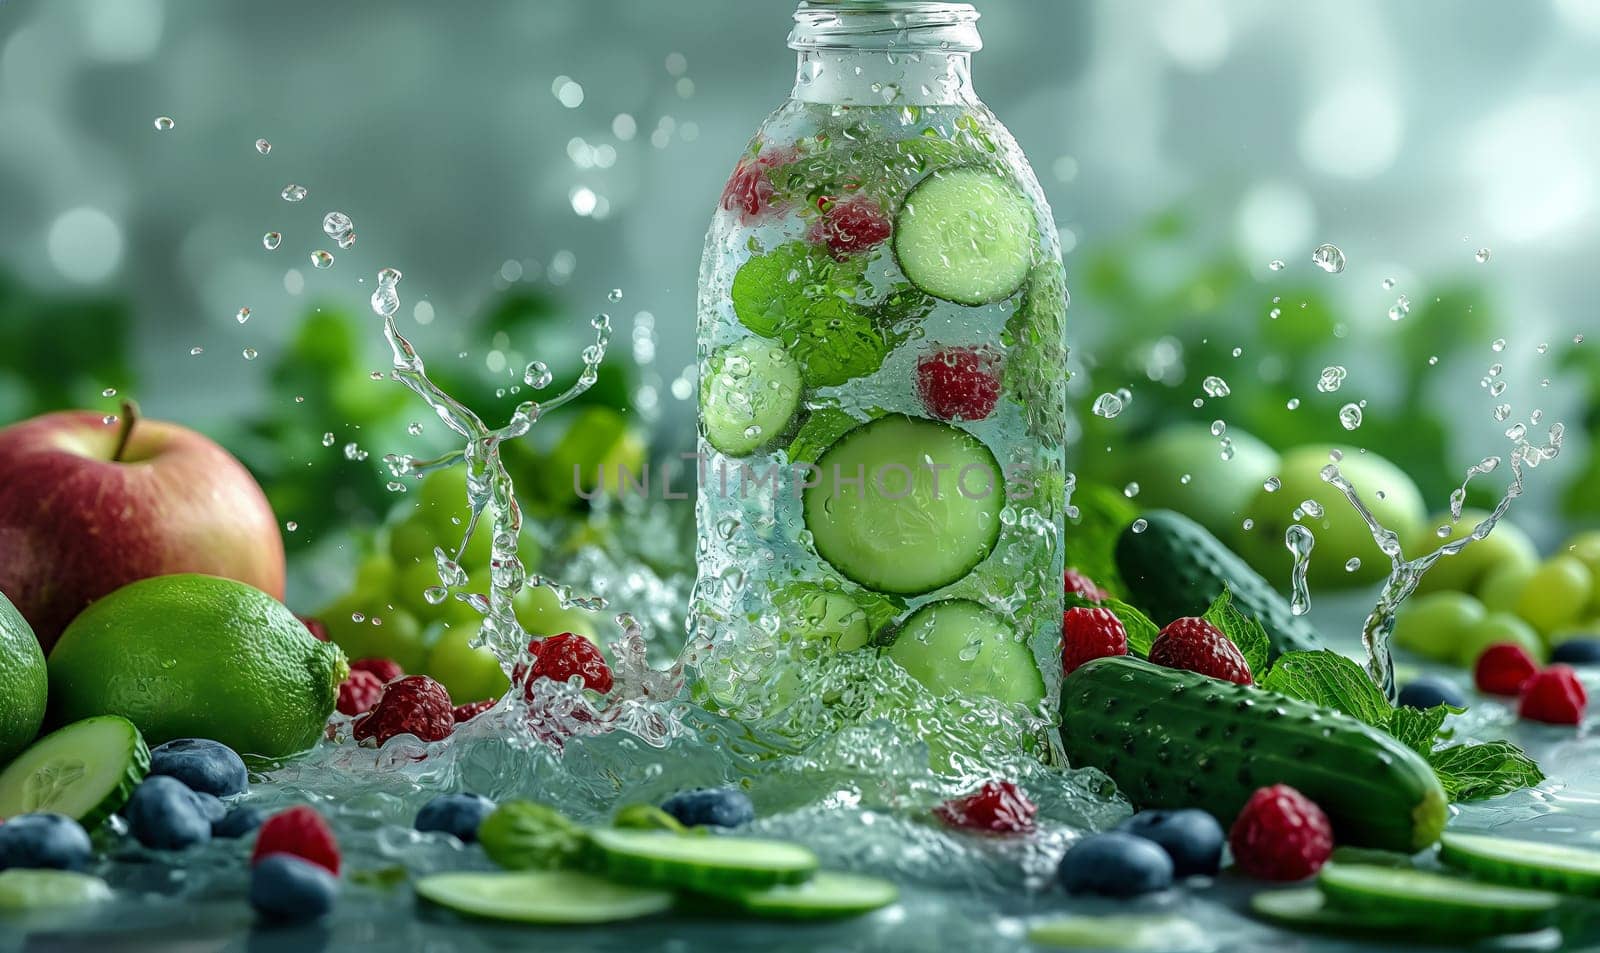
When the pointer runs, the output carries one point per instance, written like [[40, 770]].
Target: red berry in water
[[1198, 646], [300, 831], [959, 383], [1503, 668], [1090, 634], [1554, 696], [359, 693], [1077, 584], [387, 670], [850, 225], [749, 191], [560, 657], [414, 705], [472, 710], [1281, 835], [315, 627], [999, 807]]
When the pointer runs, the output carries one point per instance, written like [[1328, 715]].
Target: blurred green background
[[519, 161]]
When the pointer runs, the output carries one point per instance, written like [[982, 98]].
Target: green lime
[[22, 682], [193, 656]]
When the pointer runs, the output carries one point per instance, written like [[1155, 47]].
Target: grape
[[382, 632], [1499, 627], [468, 674], [1434, 625], [1502, 586], [1557, 593], [540, 612], [1586, 547], [1464, 571]]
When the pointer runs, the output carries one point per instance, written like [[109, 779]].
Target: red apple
[[87, 507]]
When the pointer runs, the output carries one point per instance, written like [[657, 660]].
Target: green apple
[[540, 612], [1499, 627], [1217, 491], [1586, 547], [1501, 587], [1506, 544], [1340, 532], [1557, 593], [468, 674], [1435, 625]]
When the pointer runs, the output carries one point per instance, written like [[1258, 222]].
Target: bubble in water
[[293, 193], [1329, 258], [249, 353], [1482, 256], [1332, 378], [537, 375], [1139, 525], [1107, 406], [242, 315], [1131, 490], [321, 259], [1275, 264], [337, 225], [271, 240], [1401, 308], [164, 123], [1215, 386], [1350, 416]]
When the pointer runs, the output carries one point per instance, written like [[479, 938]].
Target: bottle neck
[[884, 52]]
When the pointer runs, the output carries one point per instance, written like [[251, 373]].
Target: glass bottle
[[882, 371]]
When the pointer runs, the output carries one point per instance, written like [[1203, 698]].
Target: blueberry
[[165, 815], [212, 807], [1191, 837], [286, 888], [205, 766], [1426, 691], [711, 807], [458, 814], [44, 840], [1584, 650], [238, 822], [1115, 864]]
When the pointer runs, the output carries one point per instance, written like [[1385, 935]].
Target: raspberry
[[1198, 646], [1554, 696], [300, 831], [1077, 584], [315, 627], [472, 710], [1281, 835], [359, 693], [1503, 668], [414, 705], [998, 807], [1090, 634], [387, 670], [749, 191], [850, 225], [959, 383], [560, 657]]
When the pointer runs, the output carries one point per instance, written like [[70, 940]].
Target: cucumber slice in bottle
[[958, 646], [542, 896], [704, 863], [924, 512], [827, 896], [1522, 863], [1436, 898], [86, 770], [22, 890], [752, 393], [966, 235]]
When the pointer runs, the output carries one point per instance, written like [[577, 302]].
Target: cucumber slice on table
[[1307, 909], [86, 770], [706, 863], [542, 896], [753, 391], [1436, 898], [959, 646], [1523, 863], [827, 896], [924, 513], [966, 235]]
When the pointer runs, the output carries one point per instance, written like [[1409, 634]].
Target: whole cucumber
[[1172, 739], [1173, 567]]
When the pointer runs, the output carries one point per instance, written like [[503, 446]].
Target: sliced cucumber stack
[[752, 393], [905, 505], [542, 896], [966, 235], [1523, 863], [1423, 897], [86, 770], [827, 896], [701, 863], [958, 646]]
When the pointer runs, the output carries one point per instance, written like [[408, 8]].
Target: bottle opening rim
[[886, 25]]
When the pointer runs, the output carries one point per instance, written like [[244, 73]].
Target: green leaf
[[1244, 632], [1472, 772], [1326, 678], [1417, 728], [1141, 631]]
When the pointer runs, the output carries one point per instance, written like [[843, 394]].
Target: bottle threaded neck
[[906, 26]]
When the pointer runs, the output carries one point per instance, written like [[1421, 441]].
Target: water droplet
[[614, 295], [249, 353], [1401, 308], [1272, 485], [1388, 284], [1248, 524], [1274, 314], [271, 240], [1577, 339], [1516, 431], [1332, 378], [327, 439], [321, 259], [1218, 428], [109, 392], [336, 225], [1542, 348], [1131, 490], [1275, 264], [1215, 386], [291, 526], [109, 420], [357, 617], [196, 351], [1433, 360], [1300, 543], [1185, 479], [1352, 564], [164, 123], [1498, 345], [242, 315], [263, 146], [348, 240], [293, 193], [1350, 416], [1329, 258], [1107, 406], [1138, 526], [1482, 256], [1312, 509], [1293, 404]]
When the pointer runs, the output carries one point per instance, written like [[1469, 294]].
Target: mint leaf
[[1471, 772], [1141, 631], [1417, 728], [1244, 632], [1326, 678]]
